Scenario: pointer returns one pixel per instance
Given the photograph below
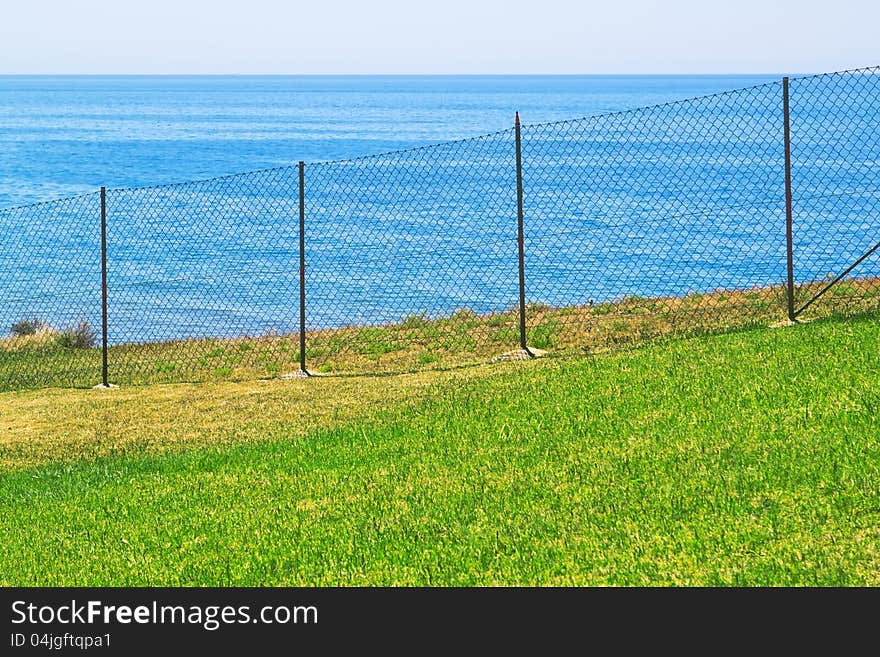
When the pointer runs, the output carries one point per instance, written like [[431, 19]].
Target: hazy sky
[[436, 36]]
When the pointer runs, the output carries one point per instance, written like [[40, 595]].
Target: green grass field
[[417, 343], [750, 458]]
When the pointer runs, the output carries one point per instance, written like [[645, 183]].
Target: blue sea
[[670, 200], [61, 136]]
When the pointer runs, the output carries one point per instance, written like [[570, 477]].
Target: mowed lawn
[[750, 458]]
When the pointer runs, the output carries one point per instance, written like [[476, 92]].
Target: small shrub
[[464, 343], [545, 336], [507, 335], [430, 330], [375, 341], [162, 366], [81, 336], [424, 359], [414, 321], [463, 314], [381, 348], [29, 327], [844, 290], [222, 372]]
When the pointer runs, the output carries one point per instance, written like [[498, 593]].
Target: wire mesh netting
[[410, 257], [204, 281], [665, 220], [657, 220], [835, 127], [50, 302]]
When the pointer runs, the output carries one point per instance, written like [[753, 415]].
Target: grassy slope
[[419, 344], [750, 458], [38, 427]]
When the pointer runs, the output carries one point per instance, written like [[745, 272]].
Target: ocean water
[[68, 135], [677, 198]]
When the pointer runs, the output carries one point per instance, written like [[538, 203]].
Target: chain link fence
[[50, 299], [835, 150], [746, 208]]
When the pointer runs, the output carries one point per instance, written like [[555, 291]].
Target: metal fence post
[[521, 241], [302, 267], [789, 241], [104, 377]]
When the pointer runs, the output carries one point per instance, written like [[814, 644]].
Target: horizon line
[[545, 74]]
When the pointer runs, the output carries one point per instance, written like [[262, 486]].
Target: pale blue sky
[[437, 36]]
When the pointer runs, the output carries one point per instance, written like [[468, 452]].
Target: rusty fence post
[[521, 240], [789, 240], [302, 268], [105, 380]]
